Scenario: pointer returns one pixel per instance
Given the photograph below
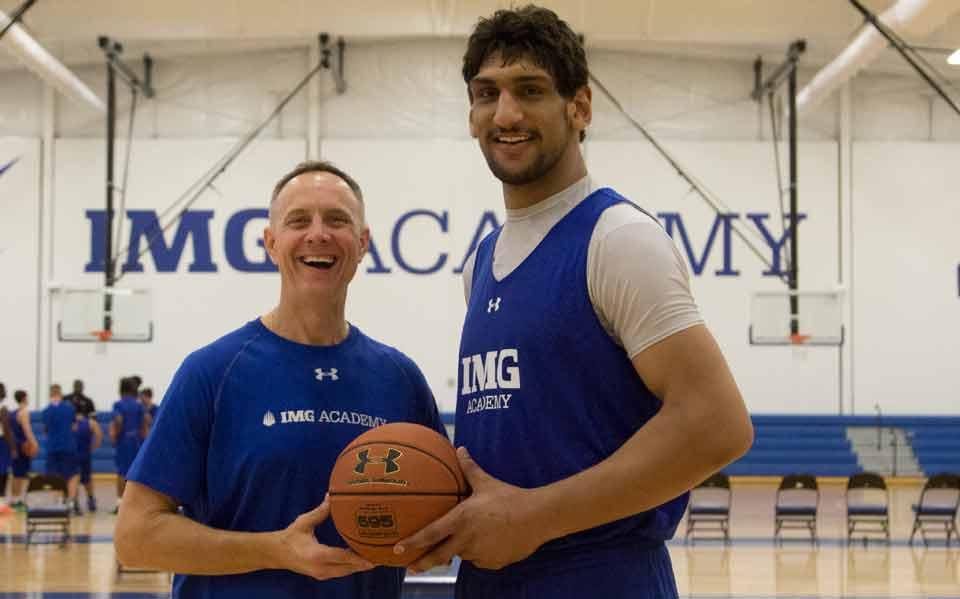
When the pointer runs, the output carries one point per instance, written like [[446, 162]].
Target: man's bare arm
[[151, 534]]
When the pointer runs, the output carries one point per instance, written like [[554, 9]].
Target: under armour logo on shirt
[[332, 374], [493, 305]]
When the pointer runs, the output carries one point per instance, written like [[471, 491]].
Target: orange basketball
[[390, 482], [29, 448]]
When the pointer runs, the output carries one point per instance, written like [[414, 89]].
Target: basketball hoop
[[799, 339], [102, 335]]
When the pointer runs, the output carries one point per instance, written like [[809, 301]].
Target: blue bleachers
[[783, 444], [818, 444], [792, 444], [937, 445]]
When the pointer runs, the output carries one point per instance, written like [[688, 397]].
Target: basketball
[[29, 449], [390, 482]]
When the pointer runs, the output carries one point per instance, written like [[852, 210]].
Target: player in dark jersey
[[591, 395], [251, 424], [83, 404]]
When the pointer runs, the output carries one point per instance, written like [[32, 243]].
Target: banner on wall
[[429, 202]]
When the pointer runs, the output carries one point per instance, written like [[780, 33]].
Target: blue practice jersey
[[83, 434], [247, 437], [58, 420], [19, 435], [544, 392], [131, 410]]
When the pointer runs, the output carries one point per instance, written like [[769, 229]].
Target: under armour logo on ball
[[389, 461], [332, 374], [493, 305]]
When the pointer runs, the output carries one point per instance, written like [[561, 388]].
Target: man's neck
[[319, 323], [568, 170]]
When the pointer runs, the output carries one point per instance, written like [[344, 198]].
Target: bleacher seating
[[819, 444], [783, 443], [935, 442], [786, 444]]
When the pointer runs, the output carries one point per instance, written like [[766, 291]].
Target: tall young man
[[614, 398]]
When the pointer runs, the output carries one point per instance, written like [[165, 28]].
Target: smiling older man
[[252, 480]]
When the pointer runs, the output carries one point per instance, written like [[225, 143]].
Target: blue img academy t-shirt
[[250, 427]]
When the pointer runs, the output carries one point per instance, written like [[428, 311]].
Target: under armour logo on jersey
[[493, 305], [363, 458], [269, 419], [322, 373]]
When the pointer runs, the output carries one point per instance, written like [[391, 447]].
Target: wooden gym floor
[[751, 567]]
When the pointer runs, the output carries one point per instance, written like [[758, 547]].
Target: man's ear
[[580, 108], [269, 243]]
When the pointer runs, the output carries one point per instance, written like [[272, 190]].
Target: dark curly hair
[[529, 32]]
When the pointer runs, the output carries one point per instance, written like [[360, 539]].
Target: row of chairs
[[798, 497]]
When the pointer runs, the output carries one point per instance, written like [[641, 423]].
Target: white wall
[[189, 309], [906, 255], [19, 263], [401, 129]]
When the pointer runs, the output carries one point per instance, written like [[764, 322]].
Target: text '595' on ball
[[390, 482]]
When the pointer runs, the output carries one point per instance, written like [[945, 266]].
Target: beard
[[545, 160], [542, 164]]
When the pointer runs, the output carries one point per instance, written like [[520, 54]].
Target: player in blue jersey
[[127, 430], [88, 436], [591, 395], [251, 424], [7, 446], [62, 460], [146, 398], [26, 448]]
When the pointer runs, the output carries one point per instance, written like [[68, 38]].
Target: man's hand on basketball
[[303, 554], [492, 528]]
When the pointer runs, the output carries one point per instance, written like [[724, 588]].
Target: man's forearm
[[173, 543]]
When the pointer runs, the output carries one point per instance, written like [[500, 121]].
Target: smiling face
[[527, 131], [317, 235]]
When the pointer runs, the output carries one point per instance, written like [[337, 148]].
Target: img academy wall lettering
[[194, 227]]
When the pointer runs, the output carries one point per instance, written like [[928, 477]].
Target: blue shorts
[[63, 464], [625, 572], [85, 462], [5, 457], [127, 449], [20, 467]]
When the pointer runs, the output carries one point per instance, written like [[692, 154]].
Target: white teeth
[[318, 259], [512, 140]]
